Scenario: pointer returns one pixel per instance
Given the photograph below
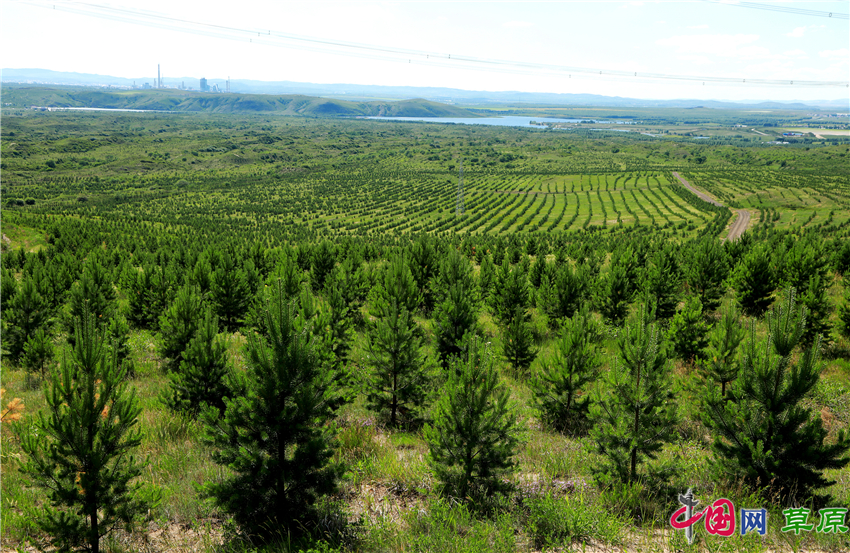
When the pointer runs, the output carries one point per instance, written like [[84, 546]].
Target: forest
[[258, 332]]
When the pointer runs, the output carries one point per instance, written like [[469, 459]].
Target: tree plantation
[[276, 333]]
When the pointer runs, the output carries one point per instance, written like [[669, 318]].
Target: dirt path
[[739, 225], [741, 222]]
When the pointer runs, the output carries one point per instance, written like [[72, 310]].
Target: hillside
[[189, 101]]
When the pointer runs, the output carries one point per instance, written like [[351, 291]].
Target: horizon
[[694, 39]]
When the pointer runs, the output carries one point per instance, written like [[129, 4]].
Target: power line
[[783, 9], [384, 53]]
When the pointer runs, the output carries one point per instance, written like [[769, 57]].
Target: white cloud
[[698, 27], [799, 32], [696, 60], [718, 45], [841, 53], [517, 24]]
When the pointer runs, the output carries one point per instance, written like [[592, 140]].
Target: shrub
[[475, 433]]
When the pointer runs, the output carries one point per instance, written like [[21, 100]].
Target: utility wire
[[383, 53], [783, 9]]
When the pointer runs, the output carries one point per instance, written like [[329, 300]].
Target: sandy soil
[[741, 222]]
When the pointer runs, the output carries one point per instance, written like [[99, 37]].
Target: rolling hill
[[189, 101]]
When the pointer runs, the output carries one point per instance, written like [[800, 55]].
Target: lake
[[507, 121]]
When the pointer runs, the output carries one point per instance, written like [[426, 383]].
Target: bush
[[273, 484], [475, 433], [82, 453]]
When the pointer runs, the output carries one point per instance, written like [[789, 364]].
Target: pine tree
[[178, 325], [538, 268], [203, 374], [230, 293], [82, 452], [397, 383], [486, 277], [614, 294], [689, 331], [149, 291], [339, 324], [763, 432], [323, 261], [844, 312], [721, 362], [424, 265], [23, 314], [396, 285], [273, 436], [818, 308], [38, 354], [456, 313], [754, 281], [561, 387], [509, 297], [706, 271], [561, 294], [633, 415], [94, 294], [518, 344], [474, 434], [662, 282]]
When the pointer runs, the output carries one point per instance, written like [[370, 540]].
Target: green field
[[350, 212]]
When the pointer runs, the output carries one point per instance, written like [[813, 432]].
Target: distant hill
[[179, 100], [355, 92]]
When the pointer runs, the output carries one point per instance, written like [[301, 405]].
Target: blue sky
[[697, 38]]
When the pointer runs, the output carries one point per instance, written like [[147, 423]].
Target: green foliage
[[562, 293], [662, 282], [721, 363], [615, 290], [397, 383], [202, 378], [24, 313], [689, 331], [149, 292], [230, 292], [561, 387], [764, 432], [396, 285], [518, 344], [474, 434], [39, 355], [632, 413], [178, 325], [272, 438], [339, 322], [706, 270], [424, 265], [82, 453], [818, 308], [456, 312], [486, 277], [801, 261], [844, 314], [509, 297], [94, 294], [555, 521], [324, 259], [754, 280]]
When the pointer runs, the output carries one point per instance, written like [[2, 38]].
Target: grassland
[[164, 184]]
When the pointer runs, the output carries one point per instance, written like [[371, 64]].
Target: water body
[[507, 121]]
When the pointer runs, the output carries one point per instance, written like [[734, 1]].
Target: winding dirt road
[[741, 222]]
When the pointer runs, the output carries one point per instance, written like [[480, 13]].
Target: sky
[[497, 46]]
